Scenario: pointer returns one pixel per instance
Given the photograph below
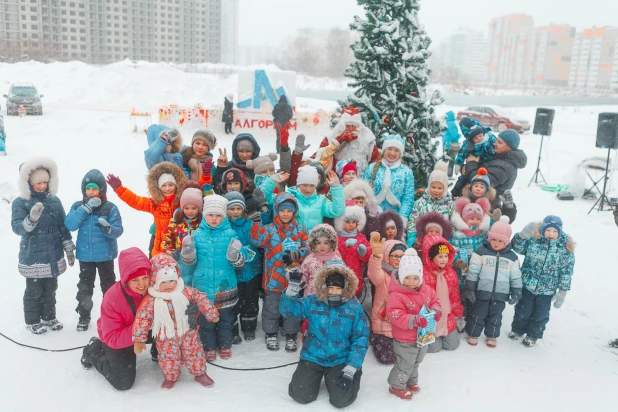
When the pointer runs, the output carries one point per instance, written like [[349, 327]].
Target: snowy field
[[571, 369]]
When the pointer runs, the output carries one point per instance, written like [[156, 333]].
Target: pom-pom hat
[[482, 178], [410, 265]]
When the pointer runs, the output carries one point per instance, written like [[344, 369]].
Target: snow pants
[[487, 315], [174, 352], [305, 384], [531, 314], [271, 315], [448, 342], [247, 307], [408, 357], [383, 348], [40, 299], [217, 335], [85, 286], [116, 365], [452, 152]]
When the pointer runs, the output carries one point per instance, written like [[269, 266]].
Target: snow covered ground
[[571, 369]]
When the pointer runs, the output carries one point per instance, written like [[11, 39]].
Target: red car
[[494, 117]]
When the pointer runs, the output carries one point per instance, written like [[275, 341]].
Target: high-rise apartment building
[[500, 30], [466, 52], [105, 31], [594, 63]]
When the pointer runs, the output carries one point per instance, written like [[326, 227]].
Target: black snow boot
[[83, 323], [37, 328], [86, 364], [613, 343], [272, 341], [249, 335], [529, 341], [237, 340]]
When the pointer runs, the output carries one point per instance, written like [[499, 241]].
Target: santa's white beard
[[360, 150]]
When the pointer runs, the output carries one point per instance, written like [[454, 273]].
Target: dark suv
[[23, 94]]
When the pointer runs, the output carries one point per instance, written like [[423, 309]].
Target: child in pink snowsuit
[[171, 310], [323, 244]]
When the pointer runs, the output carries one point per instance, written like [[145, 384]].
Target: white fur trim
[[30, 166], [356, 213], [393, 143], [358, 188]]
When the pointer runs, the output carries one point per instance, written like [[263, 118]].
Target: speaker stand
[[603, 200], [537, 173]]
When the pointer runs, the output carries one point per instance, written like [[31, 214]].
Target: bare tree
[[339, 55]]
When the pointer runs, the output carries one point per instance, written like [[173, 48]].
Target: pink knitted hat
[[501, 230], [191, 196]]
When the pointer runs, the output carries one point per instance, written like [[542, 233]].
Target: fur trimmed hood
[[153, 181], [357, 188], [386, 216], [437, 218], [565, 239], [491, 195], [354, 212], [319, 282], [457, 220], [28, 167], [323, 230]]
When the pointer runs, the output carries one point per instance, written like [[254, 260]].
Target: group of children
[[225, 235]]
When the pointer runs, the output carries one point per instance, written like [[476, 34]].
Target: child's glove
[[233, 252], [290, 257], [295, 283], [104, 226], [300, 144], [527, 231], [350, 242], [259, 197], [346, 137], [192, 312], [460, 264], [284, 135], [207, 166], [188, 252], [69, 247], [347, 377], [437, 316], [179, 216], [373, 208], [377, 245], [139, 347], [461, 324], [362, 250], [170, 135], [513, 301], [558, 298], [470, 295], [36, 212], [419, 322], [91, 204], [113, 181], [507, 199]]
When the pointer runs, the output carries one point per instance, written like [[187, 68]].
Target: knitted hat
[[395, 141], [164, 274], [192, 184], [38, 176], [234, 175], [205, 136], [482, 178], [352, 212], [192, 196], [471, 211], [245, 145], [215, 204], [433, 219], [262, 164], [398, 246], [165, 178], [92, 185], [345, 166], [410, 265], [164, 268], [551, 221], [511, 138], [470, 127], [288, 204], [323, 230], [235, 199], [439, 175], [307, 175], [501, 230], [335, 279], [438, 249]]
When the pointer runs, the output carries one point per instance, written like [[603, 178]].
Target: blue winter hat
[[551, 221], [288, 205], [468, 124], [235, 199], [511, 138], [395, 141]]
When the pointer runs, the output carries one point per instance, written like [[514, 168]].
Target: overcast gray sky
[[267, 21]]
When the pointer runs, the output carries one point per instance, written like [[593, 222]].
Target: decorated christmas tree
[[390, 75]]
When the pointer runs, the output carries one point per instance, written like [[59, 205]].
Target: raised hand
[[36, 212], [222, 160], [295, 283], [332, 179], [527, 231], [377, 245], [208, 165], [114, 182], [507, 199], [300, 146]]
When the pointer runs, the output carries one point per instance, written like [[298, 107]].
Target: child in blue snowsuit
[[450, 140], [2, 137], [164, 145], [479, 142]]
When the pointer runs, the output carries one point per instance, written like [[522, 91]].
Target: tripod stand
[[537, 173], [603, 199]]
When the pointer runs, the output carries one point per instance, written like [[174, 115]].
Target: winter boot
[[211, 355], [515, 335], [249, 335], [472, 341], [529, 341], [272, 341], [83, 323], [37, 328], [613, 343], [414, 388], [290, 342], [167, 384], [205, 381], [237, 340], [53, 324], [492, 342], [405, 394], [225, 353], [86, 364]]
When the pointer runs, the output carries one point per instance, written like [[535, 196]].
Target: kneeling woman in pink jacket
[[112, 352]]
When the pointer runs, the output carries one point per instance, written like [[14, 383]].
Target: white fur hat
[[30, 167], [166, 178], [215, 204], [394, 141], [410, 265], [439, 175], [352, 212], [358, 188], [164, 274], [307, 175]]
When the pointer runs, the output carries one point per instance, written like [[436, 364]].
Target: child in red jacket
[[407, 296], [352, 245]]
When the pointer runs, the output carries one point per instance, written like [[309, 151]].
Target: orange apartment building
[[500, 30], [594, 63]]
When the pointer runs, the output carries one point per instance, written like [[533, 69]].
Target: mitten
[[460, 264], [419, 322], [193, 311], [457, 169], [290, 257], [69, 248], [91, 204], [255, 217], [558, 298], [362, 250], [300, 144], [346, 137], [207, 166], [233, 252], [470, 295], [496, 215], [179, 216], [527, 231], [139, 347], [104, 226], [170, 135], [377, 245], [507, 199], [259, 197], [350, 242], [36, 212], [114, 182], [295, 283], [347, 377], [188, 252], [513, 301], [438, 316], [373, 208], [284, 135]]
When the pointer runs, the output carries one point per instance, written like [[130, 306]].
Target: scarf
[[385, 193], [445, 303], [343, 233], [474, 231], [388, 268], [331, 255], [163, 325]]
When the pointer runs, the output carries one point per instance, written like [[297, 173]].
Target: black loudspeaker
[[607, 131], [544, 121]]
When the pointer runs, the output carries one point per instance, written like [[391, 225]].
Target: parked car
[[23, 94], [496, 118]]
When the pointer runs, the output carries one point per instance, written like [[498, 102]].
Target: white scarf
[[163, 325], [385, 193]]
